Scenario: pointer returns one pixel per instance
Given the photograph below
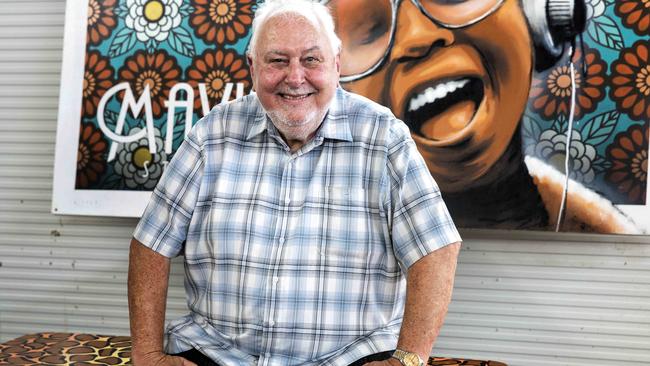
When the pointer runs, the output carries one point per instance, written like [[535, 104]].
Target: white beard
[[281, 118]]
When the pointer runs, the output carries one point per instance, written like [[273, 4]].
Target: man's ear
[[337, 61], [249, 60]]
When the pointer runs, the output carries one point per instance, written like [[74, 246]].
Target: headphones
[[554, 25]]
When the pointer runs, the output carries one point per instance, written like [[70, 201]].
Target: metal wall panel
[[582, 301], [522, 298]]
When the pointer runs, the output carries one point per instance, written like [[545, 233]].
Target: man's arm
[[147, 283], [429, 283]]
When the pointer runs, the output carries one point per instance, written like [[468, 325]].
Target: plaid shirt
[[295, 258]]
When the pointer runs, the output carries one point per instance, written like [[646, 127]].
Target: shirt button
[[287, 201], [271, 323], [281, 240], [275, 279]]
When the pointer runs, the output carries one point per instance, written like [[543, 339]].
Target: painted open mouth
[[443, 109]]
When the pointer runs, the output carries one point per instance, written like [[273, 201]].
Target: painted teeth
[[433, 93]]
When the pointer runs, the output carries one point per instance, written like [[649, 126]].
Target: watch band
[[408, 358]]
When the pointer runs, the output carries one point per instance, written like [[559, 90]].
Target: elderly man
[[312, 232]]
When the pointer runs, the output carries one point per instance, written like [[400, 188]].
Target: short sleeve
[[420, 221], [164, 223]]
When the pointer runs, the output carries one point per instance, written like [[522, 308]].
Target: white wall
[[522, 298]]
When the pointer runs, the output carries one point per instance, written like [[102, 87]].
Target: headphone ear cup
[[553, 24]]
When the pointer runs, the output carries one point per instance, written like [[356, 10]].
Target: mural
[[484, 85], [477, 102]]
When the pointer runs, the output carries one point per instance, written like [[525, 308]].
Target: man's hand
[[389, 362], [161, 359]]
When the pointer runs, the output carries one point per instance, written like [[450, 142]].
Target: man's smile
[[295, 96], [439, 110]]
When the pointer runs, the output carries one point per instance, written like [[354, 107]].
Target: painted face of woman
[[461, 89]]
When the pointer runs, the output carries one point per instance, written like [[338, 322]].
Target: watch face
[[411, 359]]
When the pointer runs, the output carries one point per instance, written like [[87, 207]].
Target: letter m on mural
[[530, 114]]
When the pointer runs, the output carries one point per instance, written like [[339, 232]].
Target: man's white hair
[[313, 11]]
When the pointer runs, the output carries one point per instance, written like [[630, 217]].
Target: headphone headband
[[553, 24]]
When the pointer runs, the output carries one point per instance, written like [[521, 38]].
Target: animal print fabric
[[66, 349], [88, 349], [439, 361]]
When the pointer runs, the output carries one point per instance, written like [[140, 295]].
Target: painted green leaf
[[151, 46], [180, 41], [605, 32], [179, 126], [530, 131], [598, 129], [600, 165], [560, 124], [531, 128], [121, 11], [110, 118], [124, 41], [185, 10]]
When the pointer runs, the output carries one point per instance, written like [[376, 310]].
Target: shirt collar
[[335, 126], [259, 123]]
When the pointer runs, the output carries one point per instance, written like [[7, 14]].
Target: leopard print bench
[[87, 349], [66, 349]]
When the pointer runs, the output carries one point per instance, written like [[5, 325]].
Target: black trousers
[[202, 360]]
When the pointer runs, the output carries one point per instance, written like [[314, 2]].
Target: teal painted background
[[610, 141]]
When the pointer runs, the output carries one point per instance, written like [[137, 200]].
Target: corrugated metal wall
[[548, 302], [584, 300]]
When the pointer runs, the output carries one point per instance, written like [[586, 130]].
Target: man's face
[[462, 92], [295, 74]]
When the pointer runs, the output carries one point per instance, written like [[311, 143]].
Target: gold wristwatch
[[408, 358]]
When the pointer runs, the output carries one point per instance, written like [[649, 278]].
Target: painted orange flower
[[159, 71], [221, 21], [101, 20], [550, 92], [635, 15], [631, 81], [90, 155], [98, 77], [629, 156], [215, 69]]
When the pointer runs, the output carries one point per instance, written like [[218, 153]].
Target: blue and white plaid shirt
[[295, 258]]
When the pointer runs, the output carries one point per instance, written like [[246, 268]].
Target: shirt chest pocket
[[240, 224], [338, 197], [342, 218]]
